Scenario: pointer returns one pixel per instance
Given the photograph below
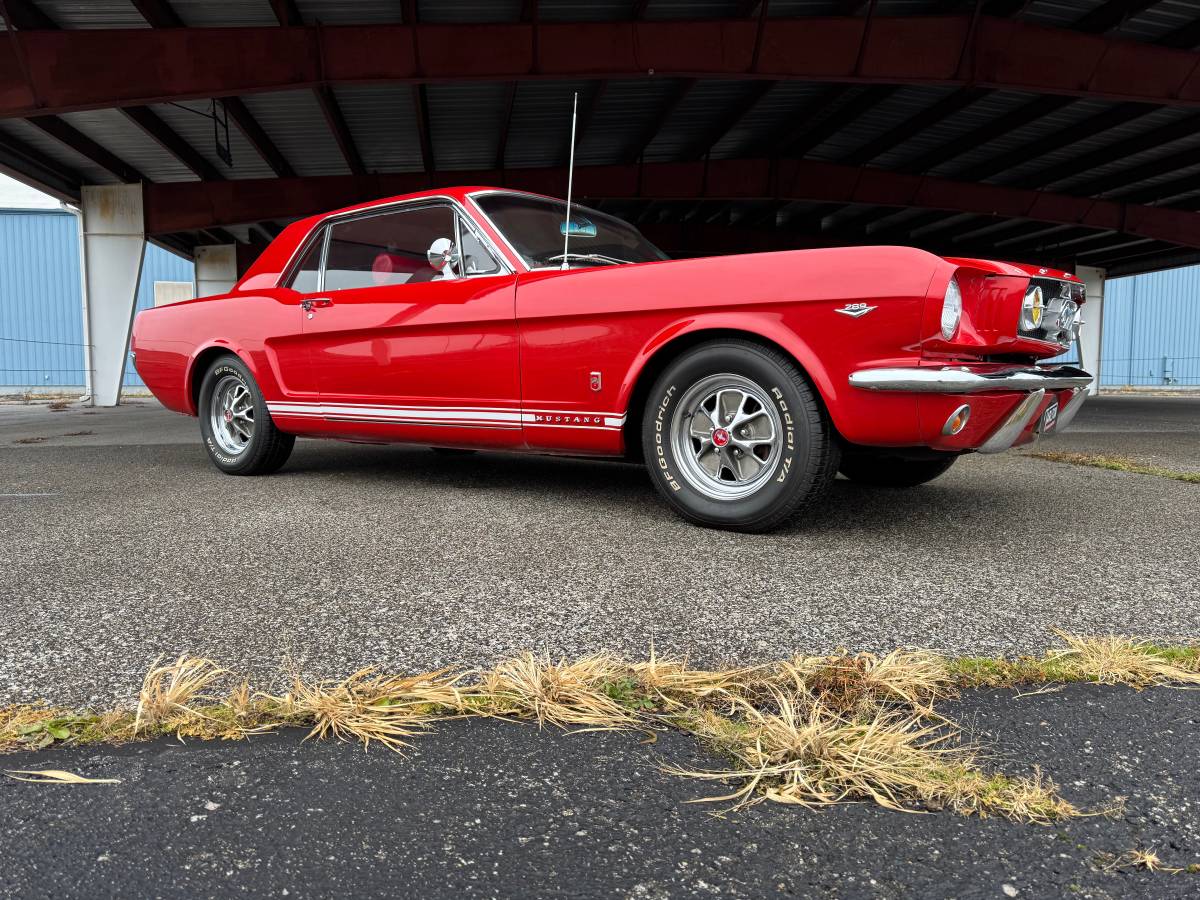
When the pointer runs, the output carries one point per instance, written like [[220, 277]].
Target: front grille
[[1059, 319]]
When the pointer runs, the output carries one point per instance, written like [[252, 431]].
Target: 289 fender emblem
[[854, 310]]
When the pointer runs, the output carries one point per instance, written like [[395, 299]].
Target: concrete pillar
[[1093, 322], [216, 269], [113, 247]]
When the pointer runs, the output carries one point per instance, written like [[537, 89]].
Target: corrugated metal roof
[[224, 13], [626, 110], [465, 122], [295, 124], [383, 121], [189, 121], [541, 123], [770, 116], [53, 150], [92, 13], [583, 10], [111, 129], [692, 119], [438, 11], [349, 12], [891, 112]]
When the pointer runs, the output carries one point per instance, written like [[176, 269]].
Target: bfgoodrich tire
[[880, 470], [735, 437], [238, 432]]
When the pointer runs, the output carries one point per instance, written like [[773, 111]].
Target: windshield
[[535, 226]]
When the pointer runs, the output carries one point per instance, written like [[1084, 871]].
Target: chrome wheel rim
[[726, 436], [231, 414]]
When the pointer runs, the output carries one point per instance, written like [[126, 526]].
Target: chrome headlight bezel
[[952, 307]]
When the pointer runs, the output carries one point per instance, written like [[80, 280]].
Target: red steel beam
[[83, 69], [188, 206]]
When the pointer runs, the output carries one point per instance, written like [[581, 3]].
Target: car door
[[406, 351]]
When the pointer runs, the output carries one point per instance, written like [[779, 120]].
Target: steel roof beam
[[190, 205], [84, 69], [30, 166], [158, 13], [150, 123]]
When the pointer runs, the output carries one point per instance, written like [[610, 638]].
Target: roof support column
[[216, 269], [1093, 329], [114, 245]]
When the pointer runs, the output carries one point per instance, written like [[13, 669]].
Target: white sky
[[14, 195]]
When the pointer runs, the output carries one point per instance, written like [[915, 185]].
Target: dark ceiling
[[1065, 132]]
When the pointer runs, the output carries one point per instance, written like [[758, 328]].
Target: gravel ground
[[481, 810], [132, 545]]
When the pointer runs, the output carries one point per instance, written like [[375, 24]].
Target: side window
[[306, 278], [476, 258], [386, 249]]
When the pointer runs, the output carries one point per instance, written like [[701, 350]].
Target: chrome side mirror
[[443, 257]]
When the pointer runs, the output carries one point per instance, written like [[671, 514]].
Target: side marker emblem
[[595, 381], [855, 310]]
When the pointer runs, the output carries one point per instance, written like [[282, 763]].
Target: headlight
[[1032, 310], [951, 309]]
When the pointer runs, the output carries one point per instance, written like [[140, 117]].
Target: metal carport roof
[[1061, 131]]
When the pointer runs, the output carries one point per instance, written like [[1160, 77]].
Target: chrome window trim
[[496, 228], [328, 220], [292, 269], [517, 255]]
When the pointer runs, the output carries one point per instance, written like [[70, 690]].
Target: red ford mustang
[[456, 319]]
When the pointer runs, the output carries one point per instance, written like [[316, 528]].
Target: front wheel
[[238, 432], [736, 438], [880, 470]]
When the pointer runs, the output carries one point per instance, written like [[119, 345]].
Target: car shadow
[[613, 484]]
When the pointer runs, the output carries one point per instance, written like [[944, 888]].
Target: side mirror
[[443, 256]]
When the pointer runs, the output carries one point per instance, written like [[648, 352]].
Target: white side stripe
[[450, 415]]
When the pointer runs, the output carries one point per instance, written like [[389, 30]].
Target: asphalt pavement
[[491, 809], [126, 543]]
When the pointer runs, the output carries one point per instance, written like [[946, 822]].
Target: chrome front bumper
[[1034, 381], [960, 380]]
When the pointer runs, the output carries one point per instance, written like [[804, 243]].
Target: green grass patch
[[1118, 464]]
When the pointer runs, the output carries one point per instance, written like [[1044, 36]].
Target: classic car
[[486, 318]]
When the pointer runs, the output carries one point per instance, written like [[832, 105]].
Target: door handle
[[309, 304]]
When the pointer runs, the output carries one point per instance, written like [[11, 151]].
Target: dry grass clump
[[673, 684], [1148, 860], [168, 690], [373, 707], [845, 682], [805, 753], [1121, 660], [593, 692]]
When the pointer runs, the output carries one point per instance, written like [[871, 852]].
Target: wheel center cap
[[228, 415], [720, 437]]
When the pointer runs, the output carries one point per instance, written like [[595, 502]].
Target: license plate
[[1049, 417]]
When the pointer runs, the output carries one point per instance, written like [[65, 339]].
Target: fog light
[[958, 420], [1031, 310]]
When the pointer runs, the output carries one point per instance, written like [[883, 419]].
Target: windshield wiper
[[589, 257]]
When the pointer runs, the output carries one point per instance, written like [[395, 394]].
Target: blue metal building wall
[[41, 301], [41, 298], [1151, 329]]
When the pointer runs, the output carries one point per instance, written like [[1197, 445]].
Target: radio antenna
[[570, 185]]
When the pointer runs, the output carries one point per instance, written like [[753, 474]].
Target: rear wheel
[[880, 470], [736, 438], [238, 432]]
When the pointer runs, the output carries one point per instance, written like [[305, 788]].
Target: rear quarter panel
[[614, 320], [262, 328]]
